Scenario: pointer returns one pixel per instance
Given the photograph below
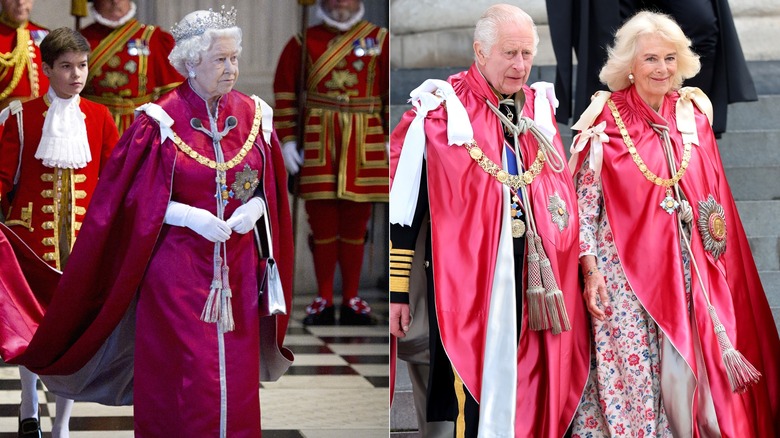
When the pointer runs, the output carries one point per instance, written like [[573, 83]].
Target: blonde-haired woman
[[680, 322]]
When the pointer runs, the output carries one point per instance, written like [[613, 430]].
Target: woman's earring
[[630, 77], [192, 74]]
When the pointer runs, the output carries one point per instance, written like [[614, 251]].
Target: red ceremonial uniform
[[346, 119], [128, 67], [46, 198], [345, 165], [23, 78]]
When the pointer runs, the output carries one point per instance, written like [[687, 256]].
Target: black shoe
[[357, 312], [29, 428], [320, 312]]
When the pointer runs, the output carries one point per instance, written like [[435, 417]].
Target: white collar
[[64, 142], [110, 23], [342, 26]]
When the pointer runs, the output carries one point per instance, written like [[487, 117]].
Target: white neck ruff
[[64, 142], [342, 26], [110, 23]]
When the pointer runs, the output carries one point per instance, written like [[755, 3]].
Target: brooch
[[712, 226], [245, 184], [669, 204], [518, 226], [557, 208]]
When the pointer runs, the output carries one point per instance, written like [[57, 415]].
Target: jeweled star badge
[[712, 226], [245, 184], [557, 208]]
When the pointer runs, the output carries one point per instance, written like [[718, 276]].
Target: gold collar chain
[[501, 175], [227, 164], [655, 179]]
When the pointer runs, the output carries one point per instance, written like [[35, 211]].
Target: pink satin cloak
[[649, 246], [465, 208]]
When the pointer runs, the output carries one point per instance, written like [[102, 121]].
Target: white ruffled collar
[[342, 26], [110, 23], [64, 142]]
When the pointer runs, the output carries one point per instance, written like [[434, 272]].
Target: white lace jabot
[[64, 142]]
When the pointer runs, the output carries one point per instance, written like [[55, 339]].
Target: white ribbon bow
[[163, 119], [686, 120], [544, 98], [406, 183], [267, 124], [596, 136]]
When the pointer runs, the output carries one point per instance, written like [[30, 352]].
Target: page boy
[[51, 153]]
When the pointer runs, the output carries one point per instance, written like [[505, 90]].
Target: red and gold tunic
[[128, 67], [20, 62], [49, 204], [346, 118]]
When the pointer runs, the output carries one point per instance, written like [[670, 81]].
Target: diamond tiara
[[203, 21]]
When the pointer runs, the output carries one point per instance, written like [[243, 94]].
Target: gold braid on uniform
[[400, 269], [16, 59]]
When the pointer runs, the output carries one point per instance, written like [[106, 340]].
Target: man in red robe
[[343, 166], [481, 155], [129, 65]]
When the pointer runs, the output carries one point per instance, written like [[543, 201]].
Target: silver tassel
[[226, 315], [213, 303], [741, 373], [556, 306], [537, 314]]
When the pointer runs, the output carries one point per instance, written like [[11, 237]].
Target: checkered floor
[[337, 387]]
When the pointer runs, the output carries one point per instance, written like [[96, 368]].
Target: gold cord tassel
[[741, 373], [537, 314], [556, 307]]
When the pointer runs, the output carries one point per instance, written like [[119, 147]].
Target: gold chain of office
[[184, 147], [501, 175], [655, 179]]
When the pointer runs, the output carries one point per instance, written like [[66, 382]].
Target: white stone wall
[[439, 33]]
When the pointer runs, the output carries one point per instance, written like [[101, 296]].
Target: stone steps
[[402, 415]]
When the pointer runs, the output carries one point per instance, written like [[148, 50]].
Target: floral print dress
[[623, 393]]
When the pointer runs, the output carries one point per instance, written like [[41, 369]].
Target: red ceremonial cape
[[465, 209], [115, 243], [648, 243]]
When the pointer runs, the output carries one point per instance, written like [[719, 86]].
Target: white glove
[[292, 157], [198, 220], [245, 216]]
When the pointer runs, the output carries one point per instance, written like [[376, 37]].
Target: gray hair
[[190, 50], [486, 31], [620, 56]]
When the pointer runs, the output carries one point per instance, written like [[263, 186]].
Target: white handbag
[[271, 292]]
